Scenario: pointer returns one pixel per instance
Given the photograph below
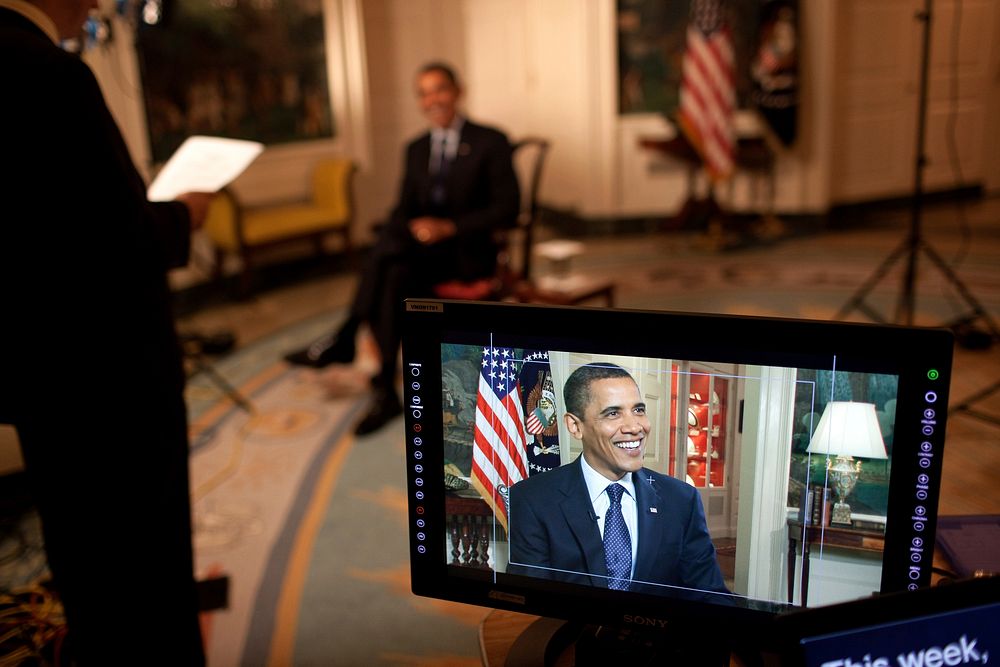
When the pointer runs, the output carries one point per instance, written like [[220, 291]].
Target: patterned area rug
[[806, 277], [309, 522]]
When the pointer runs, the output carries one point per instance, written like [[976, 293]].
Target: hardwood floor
[[802, 275]]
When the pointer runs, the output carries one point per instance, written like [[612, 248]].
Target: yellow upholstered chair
[[244, 231]]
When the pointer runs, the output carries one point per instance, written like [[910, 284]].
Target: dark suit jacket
[[90, 368], [483, 197], [552, 528]]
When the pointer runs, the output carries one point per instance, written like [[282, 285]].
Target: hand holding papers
[[203, 164]]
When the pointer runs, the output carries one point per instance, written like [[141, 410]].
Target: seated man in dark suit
[[605, 520], [458, 189]]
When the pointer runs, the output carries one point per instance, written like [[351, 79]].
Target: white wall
[[553, 77]]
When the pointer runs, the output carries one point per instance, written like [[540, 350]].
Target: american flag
[[499, 454], [708, 89]]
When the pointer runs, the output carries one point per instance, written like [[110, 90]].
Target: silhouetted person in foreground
[[91, 371]]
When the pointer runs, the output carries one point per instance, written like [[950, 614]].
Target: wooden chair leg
[[220, 258], [246, 277], [348, 248]]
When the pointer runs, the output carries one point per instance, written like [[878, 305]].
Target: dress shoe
[[385, 407], [330, 349]]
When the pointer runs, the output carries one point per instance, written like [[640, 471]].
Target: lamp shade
[[848, 429]]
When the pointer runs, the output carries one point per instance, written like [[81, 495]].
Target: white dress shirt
[[597, 485], [445, 140]]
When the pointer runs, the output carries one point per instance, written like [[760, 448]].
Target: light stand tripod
[[915, 244], [196, 347]]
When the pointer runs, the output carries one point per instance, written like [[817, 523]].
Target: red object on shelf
[[700, 442], [696, 469], [699, 386], [700, 413]]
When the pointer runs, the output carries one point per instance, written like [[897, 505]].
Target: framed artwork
[[230, 68], [652, 35]]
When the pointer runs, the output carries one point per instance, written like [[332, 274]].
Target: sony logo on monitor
[[645, 620]]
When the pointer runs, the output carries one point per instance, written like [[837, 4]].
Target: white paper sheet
[[203, 164]]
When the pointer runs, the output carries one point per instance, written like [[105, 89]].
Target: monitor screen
[[650, 468]]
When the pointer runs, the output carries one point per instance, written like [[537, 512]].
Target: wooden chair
[[529, 159], [247, 231]]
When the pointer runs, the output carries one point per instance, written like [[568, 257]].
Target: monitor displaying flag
[[499, 454], [708, 87]]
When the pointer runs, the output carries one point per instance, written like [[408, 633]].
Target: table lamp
[[845, 431]]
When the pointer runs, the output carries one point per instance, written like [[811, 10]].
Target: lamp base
[[841, 515]]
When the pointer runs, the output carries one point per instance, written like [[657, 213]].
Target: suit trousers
[[398, 268]]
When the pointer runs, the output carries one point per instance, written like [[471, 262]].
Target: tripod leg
[[966, 405], [977, 308], [857, 301], [204, 367]]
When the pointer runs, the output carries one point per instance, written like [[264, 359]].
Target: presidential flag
[[541, 422], [774, 70], [499, 455], [708, 87]]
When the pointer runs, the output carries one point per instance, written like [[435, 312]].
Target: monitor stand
[[550, 642]]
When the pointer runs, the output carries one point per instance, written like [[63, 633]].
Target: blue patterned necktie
[[617, 543], [440, 169]]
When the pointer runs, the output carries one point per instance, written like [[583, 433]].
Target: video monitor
[[765, 464]]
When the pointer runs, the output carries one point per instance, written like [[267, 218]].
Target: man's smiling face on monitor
[[613, 427]]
